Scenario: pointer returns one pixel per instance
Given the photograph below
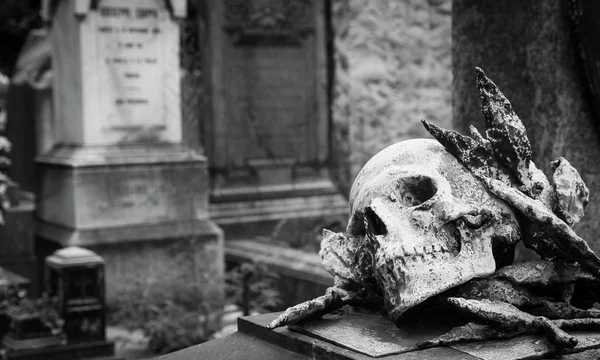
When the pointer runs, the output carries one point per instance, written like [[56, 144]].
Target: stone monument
[[267, 135], [118, 179]]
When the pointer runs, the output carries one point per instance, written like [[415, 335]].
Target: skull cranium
[[429, 223]]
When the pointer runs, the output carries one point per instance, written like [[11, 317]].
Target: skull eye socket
[[375, 224], [416, 190]]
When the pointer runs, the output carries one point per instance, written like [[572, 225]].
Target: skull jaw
[[409, 281]]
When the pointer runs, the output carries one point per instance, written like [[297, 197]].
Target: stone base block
[[275, 209], [143, 208], [153, 260], [88, 188], [342, 337]]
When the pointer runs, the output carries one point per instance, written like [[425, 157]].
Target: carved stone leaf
[[557, 233], [336, 255], [474, 155], [470, 332], [505, 131], [345, 258], [510, 317], [544, 273], [572, 195]]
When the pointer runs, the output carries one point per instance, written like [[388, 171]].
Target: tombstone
[[119, 180], [268, 134]]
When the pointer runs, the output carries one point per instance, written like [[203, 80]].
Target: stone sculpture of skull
[[429, 223]]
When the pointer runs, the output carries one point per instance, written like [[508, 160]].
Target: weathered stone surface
[[415, 199], [417, 228], [392, 69], [145, 259], [100, 187], [369, 333], [534, 60], [504, 130]]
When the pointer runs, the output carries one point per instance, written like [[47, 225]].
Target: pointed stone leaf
[[505, 131], [480, 139], [555, 235], [572, 195], [472, 154]]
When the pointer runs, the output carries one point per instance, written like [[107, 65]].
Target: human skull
[[429, 223]]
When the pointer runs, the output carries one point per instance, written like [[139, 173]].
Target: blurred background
[[190, 153]]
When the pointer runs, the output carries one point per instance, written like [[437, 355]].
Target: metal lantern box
[[76, 277]]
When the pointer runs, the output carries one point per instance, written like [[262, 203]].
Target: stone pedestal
[[118, 180], [359, 336], [267, 136]]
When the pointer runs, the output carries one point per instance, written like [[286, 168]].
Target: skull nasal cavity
[[415, 190], [375, 224]]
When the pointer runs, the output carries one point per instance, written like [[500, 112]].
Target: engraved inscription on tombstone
[[124, 86], [131, 58]]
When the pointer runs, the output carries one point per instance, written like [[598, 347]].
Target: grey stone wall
[[392, 69]]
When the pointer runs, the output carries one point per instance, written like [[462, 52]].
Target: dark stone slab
[[237, 346], [330, 337], [345, 336], [370, 334], [94, 350], [316, 348]]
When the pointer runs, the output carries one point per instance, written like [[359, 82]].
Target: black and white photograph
[[299, 179]]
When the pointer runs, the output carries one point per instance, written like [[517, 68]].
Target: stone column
[[119, 180], [527, 49]]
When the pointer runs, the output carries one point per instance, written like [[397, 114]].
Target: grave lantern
[[76, 277]]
